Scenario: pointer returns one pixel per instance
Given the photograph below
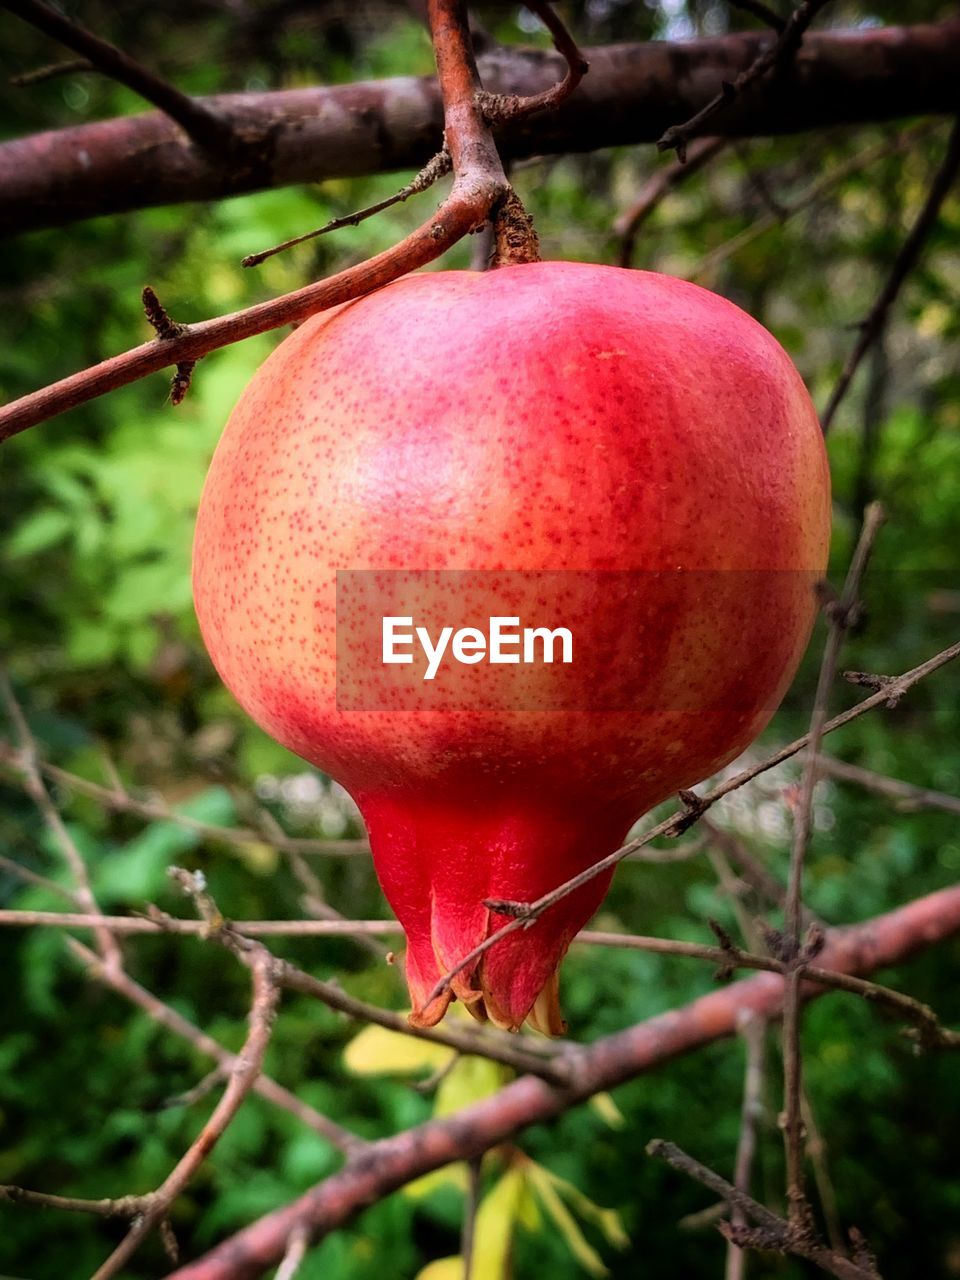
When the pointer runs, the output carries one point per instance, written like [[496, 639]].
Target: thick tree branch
[[632, 94], [393, 1162]]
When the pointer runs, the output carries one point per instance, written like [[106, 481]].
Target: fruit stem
[[515, 236]]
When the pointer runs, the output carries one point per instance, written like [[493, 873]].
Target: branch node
[[156, 313]]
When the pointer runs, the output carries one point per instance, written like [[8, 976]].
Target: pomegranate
[[615, 454]]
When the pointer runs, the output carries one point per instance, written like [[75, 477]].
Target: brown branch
[[754, 1033], [432, 172], [903, 141], [657, 188], [393, 1162], [911, 249], [200, 121], [51, 71], [908, 798], [842, 614], [774, 58], [891, 689], [35, 788], [633, 93], [479, 186], [500, 107], [162, 923], [118, 799], [773, 1233], [171, 1020], [477, 1041], [156, 1205]]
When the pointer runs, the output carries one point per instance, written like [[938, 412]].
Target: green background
[[98, 634]]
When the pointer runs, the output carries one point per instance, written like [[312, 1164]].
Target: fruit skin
[[550, 416]]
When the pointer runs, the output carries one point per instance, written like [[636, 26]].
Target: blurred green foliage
[[97, 630]]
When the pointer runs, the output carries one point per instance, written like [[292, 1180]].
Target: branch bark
[[391, 1163], [633, 93]]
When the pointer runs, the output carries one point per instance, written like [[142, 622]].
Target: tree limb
[[391, 1163], [632, 94]]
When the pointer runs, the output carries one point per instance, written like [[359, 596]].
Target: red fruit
[[641, 435]]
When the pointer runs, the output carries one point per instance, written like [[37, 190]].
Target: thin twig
[[906, 260], [817, 1155], [908, 797], [773, 58], [754, 1033], [903, 141], [265, 999], [121, 1207], [393, 1162], [498, 107], [479, 186], [842, 614], [700, 152], [891, 689], [432, 171], [773, 1231], [51, 71], [169, 1018], [198, 120], [156, 809], [35, 788]]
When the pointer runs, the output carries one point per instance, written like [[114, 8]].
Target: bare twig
[[842, 614], [51, 71], [393, 1162], [902, 141], [754, 1032], [498, 108], [155, 809], [479, 185], [773, 1233], [169, 1018], [892, 688], [906, 260], [199, 120], [540, 1057], [432, 171], [907, 797], [773, 58], [35, 788], [161, 923], [121, 1207], [266, 996], [700, 152]]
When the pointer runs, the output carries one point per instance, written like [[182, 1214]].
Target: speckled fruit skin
[[552, 416]]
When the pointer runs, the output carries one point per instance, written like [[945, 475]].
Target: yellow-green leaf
[[469, 1081], [544, 1185], [378, 1051], [608, 1111]]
